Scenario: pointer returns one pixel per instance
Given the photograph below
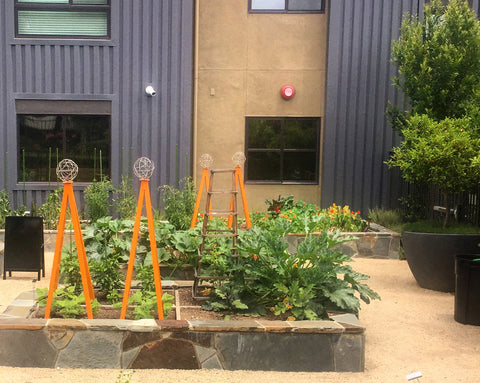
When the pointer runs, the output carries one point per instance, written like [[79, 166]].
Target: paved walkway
[[411, 329]]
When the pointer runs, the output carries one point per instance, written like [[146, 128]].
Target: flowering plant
[[301, 217]]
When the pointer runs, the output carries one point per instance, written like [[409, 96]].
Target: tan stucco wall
[[243, 60]]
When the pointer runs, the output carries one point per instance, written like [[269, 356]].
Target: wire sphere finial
[[239, 158], [67, 170], [143, 168], [206, 161]]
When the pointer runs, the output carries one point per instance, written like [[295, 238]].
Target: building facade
[[72, 84], [74, 75]]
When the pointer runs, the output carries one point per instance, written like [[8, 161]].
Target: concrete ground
[[411, 329]]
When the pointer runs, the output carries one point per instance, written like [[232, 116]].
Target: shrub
[[97, 196], [179, 203], [50, 210]]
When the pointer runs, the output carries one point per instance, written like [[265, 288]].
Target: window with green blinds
[[63, 18]]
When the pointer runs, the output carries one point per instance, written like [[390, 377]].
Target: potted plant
[[439, 71]]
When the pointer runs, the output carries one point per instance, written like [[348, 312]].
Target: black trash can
[[467, 289]]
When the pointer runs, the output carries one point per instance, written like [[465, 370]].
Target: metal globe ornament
[[206, 161], [143, 168], [239, 158], [67, 170]]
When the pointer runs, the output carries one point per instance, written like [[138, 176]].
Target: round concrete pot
[[431, 257]]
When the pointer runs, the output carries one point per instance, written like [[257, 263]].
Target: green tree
[[439, 60], [445, 153]]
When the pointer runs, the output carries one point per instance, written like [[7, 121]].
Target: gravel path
[[410, 329]]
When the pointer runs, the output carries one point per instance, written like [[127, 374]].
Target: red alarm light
[[287, 92]]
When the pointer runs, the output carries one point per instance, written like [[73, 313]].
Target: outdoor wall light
[[287, 92], [150, 91]]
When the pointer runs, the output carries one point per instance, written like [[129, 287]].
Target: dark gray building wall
[[151, 43], [357, 137]]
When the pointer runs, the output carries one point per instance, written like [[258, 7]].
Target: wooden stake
[[144, 194], [82, 257]]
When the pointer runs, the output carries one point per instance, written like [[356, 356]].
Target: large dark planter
[[431, 257]]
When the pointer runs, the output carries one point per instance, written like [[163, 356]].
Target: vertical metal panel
[[3, 99], [152, 43], [357, 138]]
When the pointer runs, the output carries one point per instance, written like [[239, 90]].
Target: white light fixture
[[150, 91]]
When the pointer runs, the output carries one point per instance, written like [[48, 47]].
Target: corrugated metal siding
[[151, 43], [357, 138]]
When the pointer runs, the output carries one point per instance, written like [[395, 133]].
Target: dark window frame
[[60, 7], [283, 150], [88, 108], [286, 10]]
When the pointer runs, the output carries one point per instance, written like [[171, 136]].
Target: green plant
[[439, 70], [306, 285], [107, 244], [66, 302], [50, 210], [287, 215], [437, 227], [179, 203], [69, 268], [124, 376], [145, 304], [439, 60], [97, 196], [5, 209], [391, 219], [124, 200], [444, 153]]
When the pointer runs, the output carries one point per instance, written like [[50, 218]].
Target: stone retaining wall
[[331, 345], [380, 243]]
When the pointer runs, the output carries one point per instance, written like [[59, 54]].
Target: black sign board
[[23, 245]]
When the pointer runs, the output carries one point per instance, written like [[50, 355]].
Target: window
[[282, 150], [78, 132], [287, 6], [63, 18]]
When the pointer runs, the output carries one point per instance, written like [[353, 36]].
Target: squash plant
[[306, 285]]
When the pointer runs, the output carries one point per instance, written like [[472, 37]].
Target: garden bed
[[251, 343], [378, 242]]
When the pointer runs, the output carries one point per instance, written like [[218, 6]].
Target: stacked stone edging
[[325, 345]]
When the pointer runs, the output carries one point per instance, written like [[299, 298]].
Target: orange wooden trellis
[[144, 194], [204, 181], [68, 195], [238, 182]]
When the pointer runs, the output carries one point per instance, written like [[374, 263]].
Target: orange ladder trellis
[[68, 195], [203, 182], [239, 183], [144, 194]]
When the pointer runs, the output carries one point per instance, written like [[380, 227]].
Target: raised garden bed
[[247, 343], [379, 242]]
